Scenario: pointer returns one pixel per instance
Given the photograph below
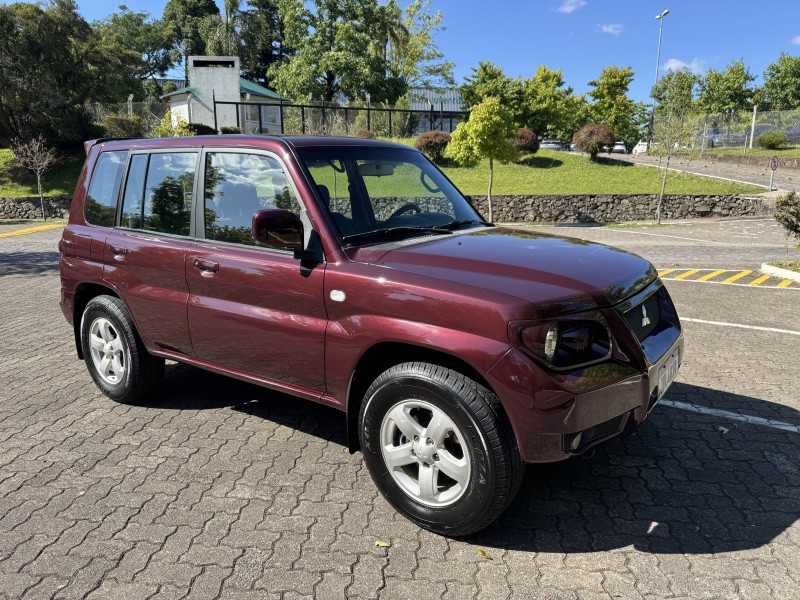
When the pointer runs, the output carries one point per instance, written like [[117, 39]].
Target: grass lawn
[[790, 152], [59, 180], [554, 172], [546, 172]]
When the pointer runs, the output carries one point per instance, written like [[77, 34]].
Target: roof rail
[[89, 144]]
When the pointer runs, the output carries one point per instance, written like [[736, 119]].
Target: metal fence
[[740, 130], [150, 112], [325, 118]]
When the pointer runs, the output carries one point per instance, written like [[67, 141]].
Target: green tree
[[262, 34], [552, 108], [335, 41], [141, 34], [673, 132], [489, 81], [51, 63], [184, 21], [674, 92], [781, 89], [613, 106], [222, 32], [408, 48], [487, 134], [722, 92]]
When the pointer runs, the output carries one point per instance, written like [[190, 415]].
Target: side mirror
[[278, 228]]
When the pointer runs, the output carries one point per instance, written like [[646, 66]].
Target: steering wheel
[[406, 208]]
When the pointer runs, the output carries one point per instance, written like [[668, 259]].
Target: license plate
[[667, 373]]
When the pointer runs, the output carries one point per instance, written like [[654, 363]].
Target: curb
[[778, 272]]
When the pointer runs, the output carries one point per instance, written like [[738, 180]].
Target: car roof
[[238, 140]]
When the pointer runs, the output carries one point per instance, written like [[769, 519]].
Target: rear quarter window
[[101, 201]]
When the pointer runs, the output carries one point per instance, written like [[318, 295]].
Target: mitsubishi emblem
[[645, 318]]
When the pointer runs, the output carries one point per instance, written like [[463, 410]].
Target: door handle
[[118, 251], [204, 264]]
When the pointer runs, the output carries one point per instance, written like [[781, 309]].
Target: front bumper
[[555, 418]]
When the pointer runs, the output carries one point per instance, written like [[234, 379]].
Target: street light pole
[[660, 18]]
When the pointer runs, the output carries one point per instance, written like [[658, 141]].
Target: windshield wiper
[[456, 224], [392, 230]]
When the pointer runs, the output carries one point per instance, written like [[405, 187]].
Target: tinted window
[[101, 201], [158, 192], [134, 192], [238, 185]]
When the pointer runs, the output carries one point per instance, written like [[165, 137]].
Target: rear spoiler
[[89, 144]]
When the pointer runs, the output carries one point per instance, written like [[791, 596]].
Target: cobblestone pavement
[[785, 178], [218, 489]]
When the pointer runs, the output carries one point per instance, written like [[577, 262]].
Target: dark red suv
[[353, 273]]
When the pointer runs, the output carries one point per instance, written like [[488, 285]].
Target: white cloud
[[611, 28], [695, 65], [570, 6], [796, 40]]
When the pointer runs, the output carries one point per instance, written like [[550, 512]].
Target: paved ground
[[223, 490], [785, 179]]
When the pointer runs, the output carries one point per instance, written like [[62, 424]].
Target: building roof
[[245, 87]]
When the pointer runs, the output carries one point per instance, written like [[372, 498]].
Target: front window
[[375, 194]]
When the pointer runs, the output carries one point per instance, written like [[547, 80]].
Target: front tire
[[439, 448], [114, 353]]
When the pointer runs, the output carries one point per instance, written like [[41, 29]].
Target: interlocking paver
[[219, 489]]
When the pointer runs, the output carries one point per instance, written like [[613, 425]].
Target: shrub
[[594, 138], [772, 140], [787, 213], [123, 127], [166, 128], [526, 141], [200, 129], [230, 129], [432, 144], [366, 134]]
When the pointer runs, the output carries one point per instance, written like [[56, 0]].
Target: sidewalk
[[785, 179]]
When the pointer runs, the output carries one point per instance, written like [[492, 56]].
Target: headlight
[[567, 343]]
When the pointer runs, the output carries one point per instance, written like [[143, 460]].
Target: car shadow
[[28, 263], [685, 482]]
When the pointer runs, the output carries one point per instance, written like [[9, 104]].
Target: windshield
[[373, 193]]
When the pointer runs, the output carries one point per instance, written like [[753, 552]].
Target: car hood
[[558, 274]]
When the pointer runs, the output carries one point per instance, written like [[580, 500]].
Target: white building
[[215, 93]]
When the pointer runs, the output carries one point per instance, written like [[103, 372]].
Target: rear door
[[145, 254], [252, 307]]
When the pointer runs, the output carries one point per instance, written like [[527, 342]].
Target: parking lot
[[219, 489]]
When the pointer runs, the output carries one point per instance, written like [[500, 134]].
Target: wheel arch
[[381, 357], [84, 293]]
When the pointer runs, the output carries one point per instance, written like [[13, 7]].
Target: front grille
[[635, 317], [577, 442]]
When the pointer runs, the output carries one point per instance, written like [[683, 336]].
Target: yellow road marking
[[760, 280], [665, 272], [786, 283], [32, 229], [687, 274], [737, 276], [711, 275]]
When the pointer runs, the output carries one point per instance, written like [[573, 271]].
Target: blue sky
[[583, 36]]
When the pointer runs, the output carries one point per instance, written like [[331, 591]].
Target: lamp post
[[660, 19]]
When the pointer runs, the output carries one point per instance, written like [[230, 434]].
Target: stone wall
[[582, 208], [56, 207], [586, 208]]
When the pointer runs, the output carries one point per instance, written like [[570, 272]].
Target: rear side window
[[158, 192], [101, 201]]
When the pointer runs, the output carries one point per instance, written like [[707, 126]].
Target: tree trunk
[[663, 187], [41, 195], [489, 195]]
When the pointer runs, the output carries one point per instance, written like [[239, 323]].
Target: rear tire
[[439, 448], [114, 353]]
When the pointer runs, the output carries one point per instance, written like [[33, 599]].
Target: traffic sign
[[773, 164]]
